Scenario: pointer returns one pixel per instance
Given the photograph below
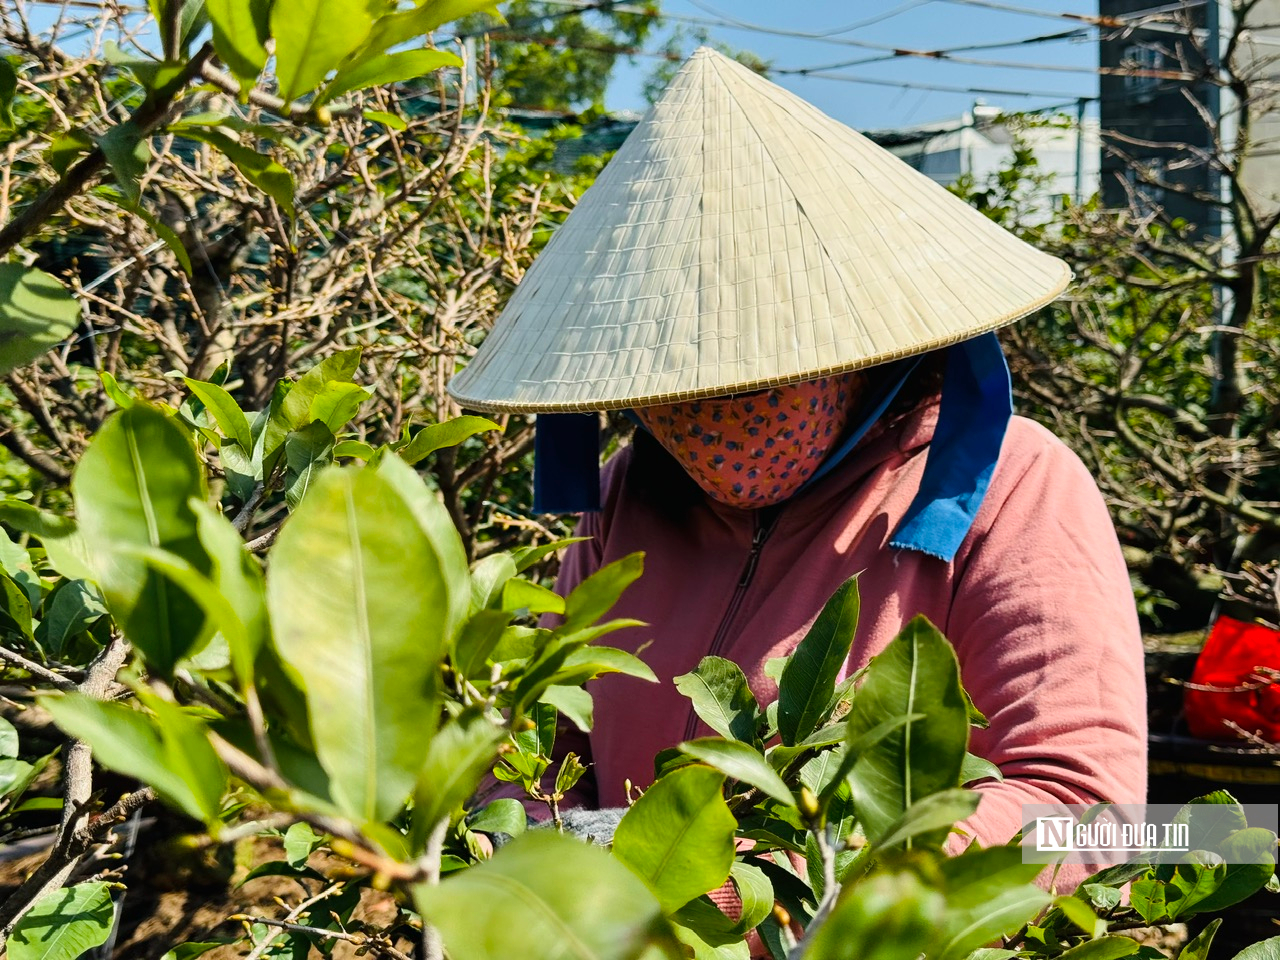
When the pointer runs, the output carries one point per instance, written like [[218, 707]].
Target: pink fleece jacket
[[1037, 603]]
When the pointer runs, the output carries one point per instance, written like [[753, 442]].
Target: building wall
[[1150, 124]]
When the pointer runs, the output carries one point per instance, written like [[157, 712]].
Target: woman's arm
[[1047, 634]]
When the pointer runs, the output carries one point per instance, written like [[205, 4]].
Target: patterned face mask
[[754, 450]]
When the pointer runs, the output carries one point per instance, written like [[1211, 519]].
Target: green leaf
[[75, 606], [590, 662], [574, 703], [1198, 948], [678, 837], [226, 412], [457, 758], [931, 814], [66, 148], [591, 599], [1104, 948], [64, 924], [15, 609], [337, 403], [888, 916], [976, 768], [240, 32], [15, 776], [127, 154], [37, 312], [8, 88], [1081, 914], [809, 678], [132, 490], [543, 897], [488, 578], [360, 598], [312, 38], [506, 815], [300, 841], [531, 598], [989, 895], [742, 762], [260, 170], [306, 453], [916, 673], [238, 578], [570, 772], [387, 68], [1150, 899], [722, 698], [397, 28], [1263, 950], [1251, 855], [8, 739], [189, 951], [389, 120], [756, 893], [357, 449], [450, 433], [170, 753], [526, 557]]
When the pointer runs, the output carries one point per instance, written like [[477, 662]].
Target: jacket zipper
[[764, 521]]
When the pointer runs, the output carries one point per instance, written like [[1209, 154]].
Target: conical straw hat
[[741, 239]]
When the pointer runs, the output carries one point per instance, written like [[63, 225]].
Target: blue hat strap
[[566, 463], [977, 402]]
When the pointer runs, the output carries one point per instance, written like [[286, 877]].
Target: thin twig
[[376, 942], [33, 668]]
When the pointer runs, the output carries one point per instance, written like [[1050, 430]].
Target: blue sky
[[915, 24]]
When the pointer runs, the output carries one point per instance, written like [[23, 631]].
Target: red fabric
[[1231, 658], [1037, 603]]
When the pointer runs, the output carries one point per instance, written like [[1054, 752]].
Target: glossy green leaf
[[1198, 948], [543, 897], [916, 673], [1081, 914], [1104, 948], [526, 557], [755, 892], [976, 768], [306, 453], [722, 698], [300, 841], [931, 814], [742, 762], [240, 32], [1251, 855], [259, 169], [196, 948], [450, 433], [74, 607], [389, 120], [64, 924], [457, 758], [296, 405], [357, 449], [595, 596], [171, 752], [8, 739], [337, 403], [1150, 898], [360, 603], [809, 678], [132, 490], [678, 837], [489, 576], [237, 576], [127, 154], [15, 609], [394, 29], [506, 815], [388, 68], [476, 642], [15, 775], [526, 597], [989, 894], [312, 38], [889, 916], [226, 412], [435, 523], [37, 311], [573, 703], [8, 88], [1263, 950], [592, 661], [66, 149]]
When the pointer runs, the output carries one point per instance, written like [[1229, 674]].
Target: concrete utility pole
[[1219, 25]]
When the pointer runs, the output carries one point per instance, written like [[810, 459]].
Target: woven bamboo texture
[[741, 239]]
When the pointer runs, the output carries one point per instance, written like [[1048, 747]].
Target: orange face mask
[[754, 450]]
